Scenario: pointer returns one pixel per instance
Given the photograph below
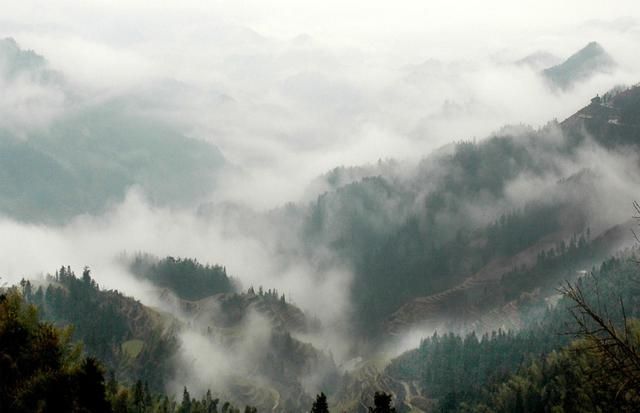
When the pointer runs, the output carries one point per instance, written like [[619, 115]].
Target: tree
[[86, 276], [382, 403], [138, 397], [148, 400], [91, 386], [616, 347], [185, 406], [40, 369], [320, 405]]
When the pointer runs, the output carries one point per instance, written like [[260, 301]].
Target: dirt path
[[275, 406], [410, 394]]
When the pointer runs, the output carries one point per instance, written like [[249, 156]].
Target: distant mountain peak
[[13, 57], [9, 43], [16, 62], [593, 45], [591, 50], [581, 65]]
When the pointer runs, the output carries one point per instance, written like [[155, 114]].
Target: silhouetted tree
[[40, 369], [91, 387], [185, 406], [382, 403], [320, 405], [138, 397]]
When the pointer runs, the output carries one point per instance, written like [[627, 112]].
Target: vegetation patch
[[132, 348]]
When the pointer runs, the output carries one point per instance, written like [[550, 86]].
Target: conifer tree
[[320, 405], [382, 403]]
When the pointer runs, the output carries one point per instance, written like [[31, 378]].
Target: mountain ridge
[[582, 65]]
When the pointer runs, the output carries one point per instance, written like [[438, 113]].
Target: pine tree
[[320, 405], [185, 406], [148, 400], [382, 403], [138, 397]]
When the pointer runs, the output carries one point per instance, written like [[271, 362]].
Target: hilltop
[[583, 64]]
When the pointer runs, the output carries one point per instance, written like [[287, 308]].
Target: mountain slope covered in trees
[[137, 343], [461, 215], [134, 341]]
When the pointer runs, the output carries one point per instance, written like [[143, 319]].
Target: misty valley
[[231, 219]]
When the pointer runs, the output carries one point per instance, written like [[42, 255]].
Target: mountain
[[474, 233], [186, 278], [16, 62], [433, 231], [262, 336], [87, 153], [496, 266], [135, 342], [45, 371], [585, 63], [612, 120], [475, 237], [450, 369]]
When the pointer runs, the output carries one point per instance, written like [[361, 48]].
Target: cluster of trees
[[552, 265], [270, 294], [42, 370], [103, 320], [573, 379], [418, 235], [529, 371], [600, 371], [516, 230], [621, 104], [413, 232], [429, 262], [540, 368], [381, 404], [186, 277], [138, 399], [67, 299], [450, 365], [485, 166]]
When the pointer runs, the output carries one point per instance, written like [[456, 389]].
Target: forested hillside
[[187, 278], [43, 370], [142, 345], [457, 218], [134, 341], [537, 367]]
